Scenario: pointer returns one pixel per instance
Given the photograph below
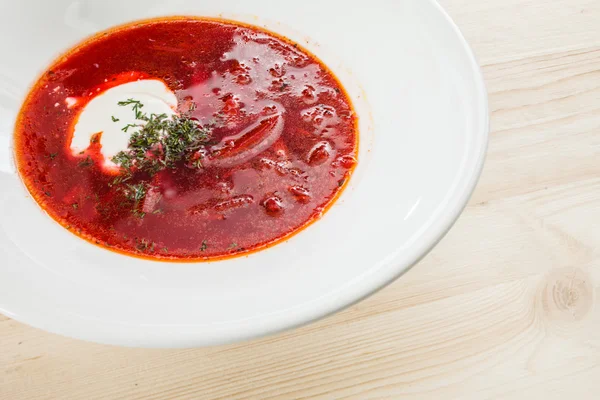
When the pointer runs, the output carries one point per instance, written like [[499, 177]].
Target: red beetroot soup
[[276, 141]]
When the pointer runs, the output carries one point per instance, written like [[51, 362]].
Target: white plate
[[424, 128]]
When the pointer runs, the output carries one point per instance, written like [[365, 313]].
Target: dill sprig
[[135, 194], [162, 141], [158, 142], [136, 106]]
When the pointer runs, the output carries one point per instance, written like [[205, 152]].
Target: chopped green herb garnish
[[87, 162], [233, 246], [136, 106], [126, 127], [52, 156], [139, 214], [145, 245], [197, 164], [160, 142], [136, 192], [204, 246], [114, 119], [123, 160], [75, 206]]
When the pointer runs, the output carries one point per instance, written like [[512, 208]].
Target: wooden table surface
[[504, 308]]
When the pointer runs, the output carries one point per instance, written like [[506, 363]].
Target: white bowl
[[424, 127]]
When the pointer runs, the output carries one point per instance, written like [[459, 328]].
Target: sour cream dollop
[[104, 114]]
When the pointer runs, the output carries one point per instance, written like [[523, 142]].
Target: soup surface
[[186, 139]]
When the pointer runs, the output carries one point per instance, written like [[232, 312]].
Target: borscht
[[186, 139]]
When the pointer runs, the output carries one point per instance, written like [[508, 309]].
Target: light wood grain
[[505, 308]]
